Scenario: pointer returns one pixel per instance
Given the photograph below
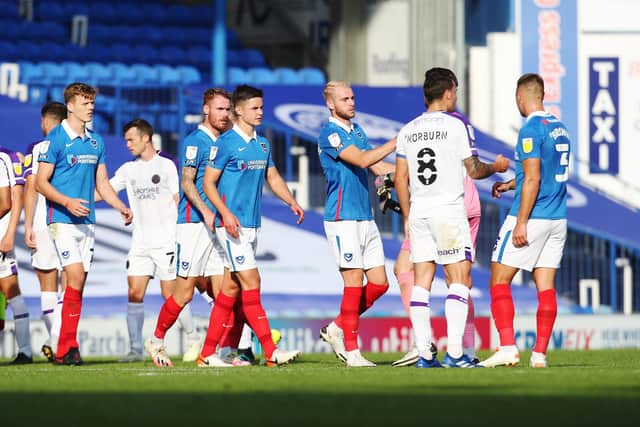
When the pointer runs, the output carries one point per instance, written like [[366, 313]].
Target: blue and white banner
[[604, 108], [549, 47]]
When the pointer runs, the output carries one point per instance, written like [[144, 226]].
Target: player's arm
[[30, 198], [281, 190], [401, 183], [367, 158], [118, 183], [477, 169], [109, 195], [528, 196], [382, 168], [188, 185], [209, 185], [44, 187], [500, 187]]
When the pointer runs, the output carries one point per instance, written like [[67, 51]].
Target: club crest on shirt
[[348, 257], [212, 153], [65, 254], [527, 145], [334, 140], [93, 143], [184, 265], [240, 259], [263, 146], [192, 152]]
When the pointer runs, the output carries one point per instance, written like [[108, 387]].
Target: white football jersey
[[7, 179], [40, 212], [435, 145], [151, 187]]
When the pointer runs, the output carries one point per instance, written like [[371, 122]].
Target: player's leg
[[544, 274], [15, 300], [403, 270], [48, 300], [469, 337], [3, 314], [135, 314]]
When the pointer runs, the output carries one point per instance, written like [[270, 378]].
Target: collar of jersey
[[243, 135], [72, 134], [206, 130], [537, 114], [347, 129]]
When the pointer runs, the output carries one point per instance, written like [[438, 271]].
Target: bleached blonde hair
[[330, 86]]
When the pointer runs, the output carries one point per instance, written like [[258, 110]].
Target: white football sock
[[57, 323], [21, 321], [420, 314], [245, 338], [135, 322], [456, 310], [48, 302], [186, 322]]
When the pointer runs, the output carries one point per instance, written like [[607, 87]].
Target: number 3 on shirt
[[564, 162]]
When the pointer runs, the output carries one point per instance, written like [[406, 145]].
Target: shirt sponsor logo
[[146, 193], [445, 252], [155, 179], [72, 159], [527, 145], [192, 152]]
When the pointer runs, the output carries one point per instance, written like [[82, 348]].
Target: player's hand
[[77, 207], [231, 224], [7, 243], [520, 235], [127, 216], [209, 218], [30, 238], [499, 188], [501, 164], [296, 209]]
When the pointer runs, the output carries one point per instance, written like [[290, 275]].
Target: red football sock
[[545, 318], [350, 316], [231, 338], [218, 318], [370, 293], [257, 319], [168, 315], [71, 308], [503, 312]]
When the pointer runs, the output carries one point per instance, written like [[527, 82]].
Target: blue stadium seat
[[262, 76], [168, 75], [75, 72], [121, 74], [233, 42], [173, 55], [188, 75], [52, 51], [8, 51], [145, 74], [233, 59], [100, 121], [99, 74], [48, 11], [122, 52], [106, 104], [312, 76], [12, 30], [99, 33], [102, 13], [200, 56], [236, 76], [28, 51], [252, 58], [71, 9], [56, 93], [9, 10], [129, 14], [31, 74], [201, 15], [288, 76], [180, 15], [146, 54], [55, 73], [155, 14]]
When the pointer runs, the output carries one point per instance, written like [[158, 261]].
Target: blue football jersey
[[244, 162], [75, 161], [544, 137], [347, 184], [195, 152]]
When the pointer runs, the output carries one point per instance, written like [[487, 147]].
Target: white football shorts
[[443, 240], [195, 243], [355, 244], [217, 258], [156, 262], [44, 256], [73, 243], [8, 264], [240, 253], [546, 243]]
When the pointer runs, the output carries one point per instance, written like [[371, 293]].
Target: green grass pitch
[[580, 388]]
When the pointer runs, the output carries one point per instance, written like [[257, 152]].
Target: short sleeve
[[102, 154], [4, 175], [529, 144], [334, 143], [400, 145], [172, 177], [18, 170], [464, 147], [119, 179], [221, 157], [49, 151]]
